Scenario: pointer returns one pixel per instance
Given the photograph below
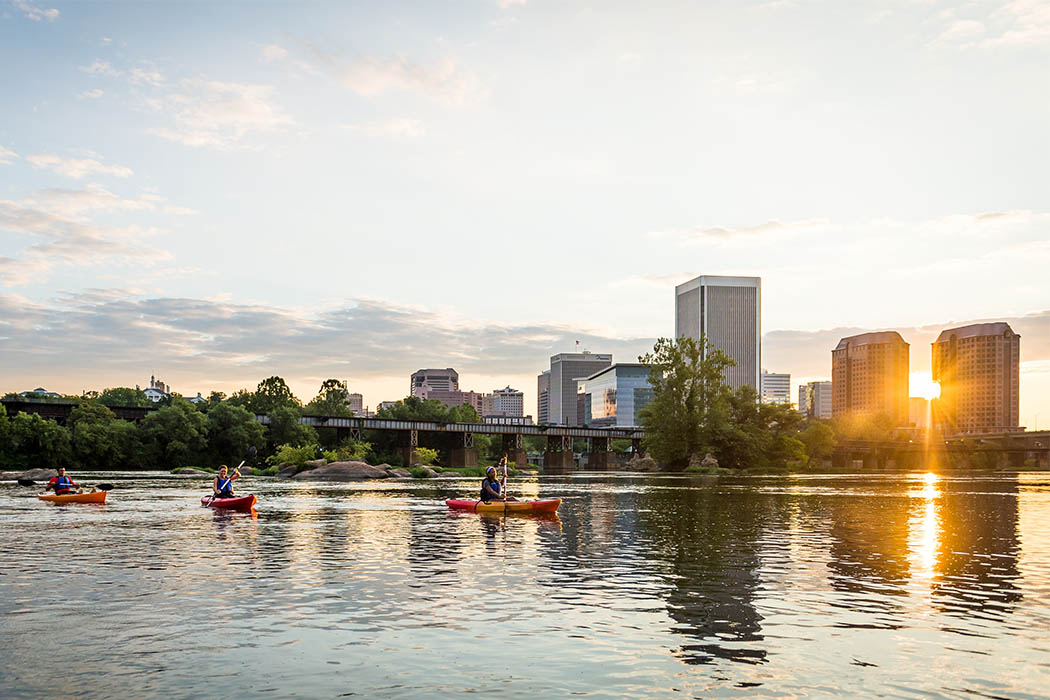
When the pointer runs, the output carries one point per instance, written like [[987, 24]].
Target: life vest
[[494, 485], [63, 485], [224, 486]]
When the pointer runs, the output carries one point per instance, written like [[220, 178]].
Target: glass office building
[[614, 397]]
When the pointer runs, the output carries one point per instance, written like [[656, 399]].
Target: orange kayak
[[96, 497]]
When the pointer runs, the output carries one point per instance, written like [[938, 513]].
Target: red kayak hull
[[240, 503], [524, 507]]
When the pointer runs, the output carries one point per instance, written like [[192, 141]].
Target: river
[[903, 585]]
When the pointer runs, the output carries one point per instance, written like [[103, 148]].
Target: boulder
[[10, 476], [38, 474], [191, 472], [286, 470], [709, 461], [429, 473], [342, 471], [247, 471], [643, 463], [401, 473], [315, 463]]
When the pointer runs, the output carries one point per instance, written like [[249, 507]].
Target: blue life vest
[[63, 485], [494, 485], [224, 487]]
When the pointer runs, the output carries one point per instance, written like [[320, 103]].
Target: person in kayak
[[62, 485], [491, 489], [222, 487]]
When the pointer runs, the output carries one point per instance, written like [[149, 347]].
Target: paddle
[[99, 487]]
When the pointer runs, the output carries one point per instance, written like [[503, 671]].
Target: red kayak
[[240, 503], [523, 507]]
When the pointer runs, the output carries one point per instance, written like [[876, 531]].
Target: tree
[[689, 397], [331, 400], [284, 429], [36, 442], [124, 396], [173, 436], [819, 441], [271, 393], [231, 431], [99, 439]]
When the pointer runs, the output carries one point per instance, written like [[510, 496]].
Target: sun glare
[[922, 384]]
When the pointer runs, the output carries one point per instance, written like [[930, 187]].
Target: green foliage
[[349, 451], [174, 435], [419, 472], [35, 442], [298, 455], [101, 441], [818, 440], [266, 471], [231, 431], [284, 428], [688, 401], [124, 396], [270, 394], [331, 400], [426, 456]]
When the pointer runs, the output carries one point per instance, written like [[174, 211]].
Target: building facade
[[978, 368], [455, 398], [356, 403], [869, 376], [157, 390], [504, 402], [776, 388], [615, 396], [566, 368], [424, 380], [919, 412], [814, 399], [543, 397], [728, 312]]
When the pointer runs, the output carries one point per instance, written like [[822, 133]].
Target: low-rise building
[[814, 399], [503, 402], [776, 388]]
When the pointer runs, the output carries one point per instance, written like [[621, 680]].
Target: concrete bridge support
[[637, 448], [557, 458], [408, 441], [600, 455], [464, 454], [514, 448]]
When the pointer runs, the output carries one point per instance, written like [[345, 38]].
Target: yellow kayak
[[96, 497], [550, 506]]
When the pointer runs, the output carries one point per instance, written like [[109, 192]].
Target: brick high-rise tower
[[869, 374], [978, 368]]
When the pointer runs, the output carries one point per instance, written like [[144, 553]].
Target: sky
[[218, 192]]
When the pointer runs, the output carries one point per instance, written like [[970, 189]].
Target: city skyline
[[240, 197]]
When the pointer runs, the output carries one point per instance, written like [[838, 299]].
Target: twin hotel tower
[[977, 366]]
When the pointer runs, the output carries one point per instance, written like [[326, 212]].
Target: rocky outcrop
[[247, 471], [401, 473], [342, 471], [193, 473], [709, 461], [10, 476], [643, 463], [38, 474]]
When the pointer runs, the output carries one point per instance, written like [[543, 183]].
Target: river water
[[646, 587]]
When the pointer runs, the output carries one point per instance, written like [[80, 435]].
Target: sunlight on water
[[924, 531]]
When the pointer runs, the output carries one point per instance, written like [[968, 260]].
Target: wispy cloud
[[273, 52], [400, 128], [445, 80], [216, 114], [92, 94], [100, 67], [766, 229], [76, 168], [7, 156], [35, 13], [1011, 24], [145, 76]]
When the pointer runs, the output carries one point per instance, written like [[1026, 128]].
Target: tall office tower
[[814, 399], [566, 368], [776, 388], [869, 375], [543, 397], [425, 380], [728, 311], [507, 402], [356, 403], [978, 368]]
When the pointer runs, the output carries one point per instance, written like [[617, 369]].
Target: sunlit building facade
[[776, 387], [566, 368], [728, 312], [814, 399], [543, 397], [503, 402], [978, 368], [869, 376], [425, 380], [615, 396]]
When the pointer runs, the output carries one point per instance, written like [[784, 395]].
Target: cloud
[[245, 342], [506, 4], [443, 80], [7, 156], [273, 52], [73, 204], [143, 76], [1016, 23], [402, 128], [99, 67], [35, 13], [211, 113], [764, 230], [77, 168], [92, 94]]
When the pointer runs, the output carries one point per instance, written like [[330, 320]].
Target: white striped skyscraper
[[728, 310]]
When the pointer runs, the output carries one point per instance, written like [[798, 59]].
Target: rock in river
[[38, 474], [342, 471], [190, 471]]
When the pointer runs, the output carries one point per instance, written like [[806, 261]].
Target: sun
[[922, 384]]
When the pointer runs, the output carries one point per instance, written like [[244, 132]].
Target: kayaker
[[491, 489], [222, 487], [62, 484]]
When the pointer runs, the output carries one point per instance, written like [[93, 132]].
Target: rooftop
[[975, 330], [875, 338]]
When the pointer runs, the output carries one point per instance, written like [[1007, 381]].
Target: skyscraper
[[814, 399], [424, 380], [869, 375], [776, 387], [543, 397], [566, 368], [728, 311], [978, 368]]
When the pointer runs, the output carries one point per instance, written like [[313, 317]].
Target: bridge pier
[[464, 454], [637, 448], [408, 442], [514, 448], [557, 458], [599, 454]]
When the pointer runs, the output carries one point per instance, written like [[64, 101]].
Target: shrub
[[289, 454], [419, 472], [426, 456]]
